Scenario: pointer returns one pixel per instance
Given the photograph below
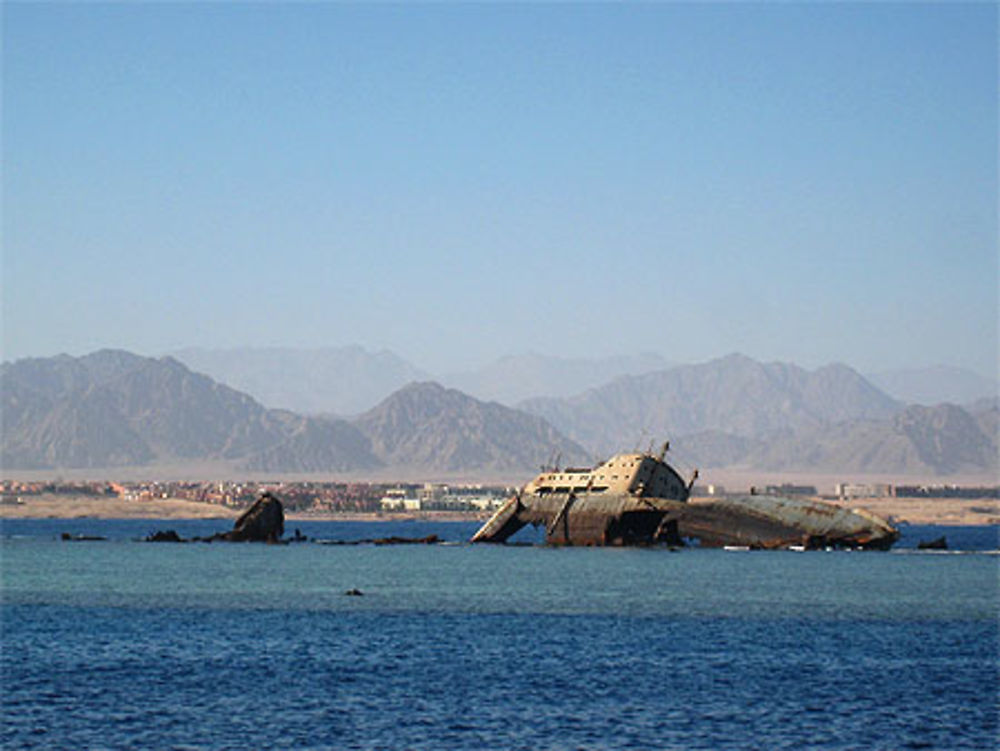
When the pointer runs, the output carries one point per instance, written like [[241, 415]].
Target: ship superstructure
[[640, 475], [622, 501]]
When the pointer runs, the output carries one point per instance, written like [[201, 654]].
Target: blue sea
[[121, 644]]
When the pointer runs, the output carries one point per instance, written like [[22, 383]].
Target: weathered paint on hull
[[639, 499], [778, 522], [751, 521], [586, 520]]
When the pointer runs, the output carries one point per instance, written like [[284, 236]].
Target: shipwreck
[[639, 499]]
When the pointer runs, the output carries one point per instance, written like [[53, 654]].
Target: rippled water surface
[[122, 644]]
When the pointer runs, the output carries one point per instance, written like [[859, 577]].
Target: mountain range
[[335, 381], [940, 440], [117, 409], [426, 425], [937, 384], [347, 381], [515, 378], [734, 395], [778, 417], [113, 409]]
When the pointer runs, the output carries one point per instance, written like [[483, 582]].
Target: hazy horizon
[[433, 371], [805, 183]]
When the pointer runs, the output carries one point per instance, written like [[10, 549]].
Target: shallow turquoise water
[[497, 579], [123, 644]]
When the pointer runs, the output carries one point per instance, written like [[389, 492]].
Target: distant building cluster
[[718, 491], [848, 491], [789, 489], [363, 497], [57, 487], [441, 497], [318, 497], [946, 491]]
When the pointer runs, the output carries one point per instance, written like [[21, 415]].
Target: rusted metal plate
[[752, 521], [776, 522], [630, 517]]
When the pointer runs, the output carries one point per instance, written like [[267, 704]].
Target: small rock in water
[[429, 540], [354, 593], [164, 536]]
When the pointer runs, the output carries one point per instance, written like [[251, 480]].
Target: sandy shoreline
[[90, 507], [945, 511]]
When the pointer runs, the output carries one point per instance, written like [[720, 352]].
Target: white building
[[400, 499], [848, 491]]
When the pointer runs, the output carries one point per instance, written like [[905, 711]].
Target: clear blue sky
[[800, 182]]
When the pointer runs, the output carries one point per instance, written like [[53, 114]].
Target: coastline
[[939, 511]]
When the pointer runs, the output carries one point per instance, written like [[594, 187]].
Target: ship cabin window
[[561, 489], [543, 490]]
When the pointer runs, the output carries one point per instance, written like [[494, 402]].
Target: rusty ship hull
[[769, 522], [587, 520], [638, 499]]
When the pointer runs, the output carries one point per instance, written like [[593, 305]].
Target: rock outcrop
[[264, 521], [167, 535]]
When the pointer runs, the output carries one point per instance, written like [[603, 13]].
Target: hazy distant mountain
[[935, 385], [427, 426], [41, 431], [51, 377], [712, 448], [350, 380], [944, 439], [987, 416], [116, 409], [983, 405], [316, 444], [735, 395], [58, 412], [778, 417], [341, 381], [514, 378]]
